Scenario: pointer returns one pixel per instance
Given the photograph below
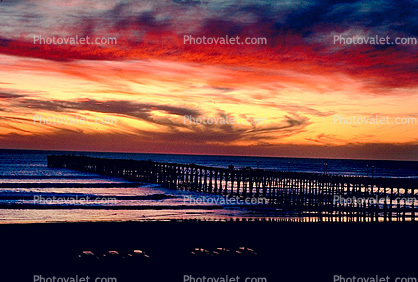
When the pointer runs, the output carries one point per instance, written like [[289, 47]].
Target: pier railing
[[305, 192]]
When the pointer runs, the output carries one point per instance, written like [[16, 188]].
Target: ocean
[[30, 192]]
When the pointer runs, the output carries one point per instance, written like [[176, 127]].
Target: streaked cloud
[[150, 79]]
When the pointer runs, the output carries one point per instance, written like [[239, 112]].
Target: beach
[[281, 251]]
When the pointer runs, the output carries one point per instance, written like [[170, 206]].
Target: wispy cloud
[[150, 79]]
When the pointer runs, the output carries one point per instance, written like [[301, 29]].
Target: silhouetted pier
[[316, 194]]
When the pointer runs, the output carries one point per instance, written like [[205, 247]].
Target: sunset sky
[[296, 85]]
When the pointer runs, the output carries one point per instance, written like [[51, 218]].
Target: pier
[[320, 195]]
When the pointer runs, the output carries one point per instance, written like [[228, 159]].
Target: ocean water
[[32, 192]]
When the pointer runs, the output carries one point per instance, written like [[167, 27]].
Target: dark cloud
[[391, 15], [300, 109], [191, 2], [221, 28], [327, 139], [224, 89], [147, 19], [117, 107], [123, 108], [4, 95], [256, 131]]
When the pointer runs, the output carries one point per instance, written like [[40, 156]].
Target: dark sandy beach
[[282, 251]]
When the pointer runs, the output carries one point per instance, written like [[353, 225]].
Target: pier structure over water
[[306, 193]]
